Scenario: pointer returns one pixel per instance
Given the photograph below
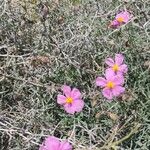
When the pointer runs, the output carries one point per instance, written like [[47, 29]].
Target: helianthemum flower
[[111, 84], [71, 100], [53, 143], [120, 19], [117, 66]]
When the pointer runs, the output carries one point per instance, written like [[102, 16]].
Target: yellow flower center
[[110, 85], [120, 19], [115, 67], [69, 100]]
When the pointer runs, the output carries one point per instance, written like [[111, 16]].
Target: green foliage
[[69, 46]]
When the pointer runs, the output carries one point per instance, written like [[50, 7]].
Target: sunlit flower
[[53, 143], [117, 66], [111, 84], [120, 19], [71, 100]]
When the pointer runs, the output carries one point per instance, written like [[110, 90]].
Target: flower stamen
[[120, 19], [69, 100], [115, 67], [110, 85]]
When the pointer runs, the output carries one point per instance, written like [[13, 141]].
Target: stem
[[114, 145], [127, 136]]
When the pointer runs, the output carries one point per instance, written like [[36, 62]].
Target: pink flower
[[120, 19], [117, 66], [71, 100], [112, 85], [53, 143]]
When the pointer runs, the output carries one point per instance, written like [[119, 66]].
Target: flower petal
[[117, 90], [69, 109], [119, 59], [114, 24], [65, 146], [119, 15], [125, 15], [61, 99], [119, 73], [50, 143], [75, 93], [109, 74], [110, 62], [118, 79], [107, 93], [101, 81], [42, 147], [123, 68], [78, 105], [66, 90]]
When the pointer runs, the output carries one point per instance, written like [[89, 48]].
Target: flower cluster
[[113, 82]]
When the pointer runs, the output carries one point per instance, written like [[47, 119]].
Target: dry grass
[[45, 44]]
